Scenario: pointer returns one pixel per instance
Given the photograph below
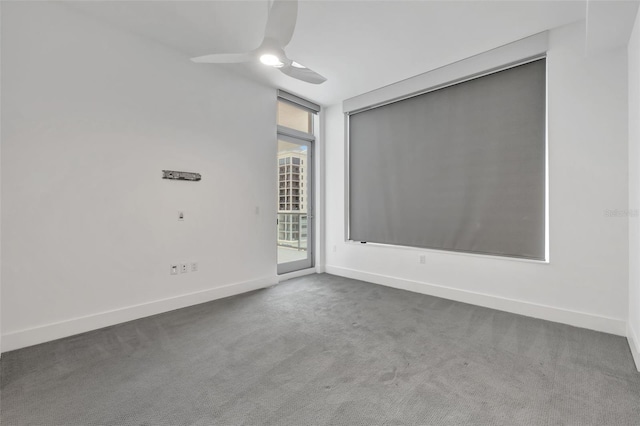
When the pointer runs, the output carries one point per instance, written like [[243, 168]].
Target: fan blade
[[224, 58], [281, 21], [304, 74]]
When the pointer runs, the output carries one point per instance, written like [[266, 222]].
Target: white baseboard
[[549, 313], [33, 336], [634, 344]]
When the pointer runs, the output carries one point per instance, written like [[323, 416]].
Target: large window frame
[[518, 53]]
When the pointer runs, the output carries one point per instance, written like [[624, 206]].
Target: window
[[294, 117], [459, 168], [296, 140]]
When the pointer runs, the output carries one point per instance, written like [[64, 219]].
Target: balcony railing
[[289, 226]]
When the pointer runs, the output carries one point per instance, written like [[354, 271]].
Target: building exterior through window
[[292, 210]]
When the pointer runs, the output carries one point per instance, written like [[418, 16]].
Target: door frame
[[301, 138]]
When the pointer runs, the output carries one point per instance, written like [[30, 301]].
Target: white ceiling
[[358, 45]]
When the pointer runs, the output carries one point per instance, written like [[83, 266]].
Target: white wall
[[633, 331], [585, 283], [90, 117]]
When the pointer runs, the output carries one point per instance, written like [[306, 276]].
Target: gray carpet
[[323, 350]]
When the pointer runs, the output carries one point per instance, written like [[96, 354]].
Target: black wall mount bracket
[[175, 175]]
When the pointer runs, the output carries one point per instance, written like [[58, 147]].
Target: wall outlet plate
[[184, 268], [194, 266], [173, 270]]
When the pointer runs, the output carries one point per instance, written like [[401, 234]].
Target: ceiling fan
[[280, 25]]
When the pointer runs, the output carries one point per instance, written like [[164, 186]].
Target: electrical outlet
[[335, 249], [423, 259], [184, 268], [194, 266], [173, 270]]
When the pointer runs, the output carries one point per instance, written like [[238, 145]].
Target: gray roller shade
[[461, 168]]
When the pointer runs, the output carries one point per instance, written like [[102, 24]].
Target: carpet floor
[[325, 350]]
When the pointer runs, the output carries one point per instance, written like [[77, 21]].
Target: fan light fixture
[[271, 60], [281, 22]]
